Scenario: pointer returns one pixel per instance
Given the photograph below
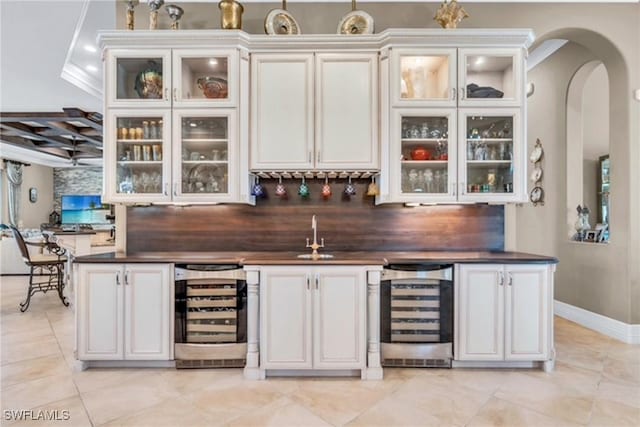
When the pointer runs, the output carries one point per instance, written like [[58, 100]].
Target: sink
[[311, 256]]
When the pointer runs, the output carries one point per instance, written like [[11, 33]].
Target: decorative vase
[[230, 15]]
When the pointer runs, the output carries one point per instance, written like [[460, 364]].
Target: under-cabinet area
[[348, 316]]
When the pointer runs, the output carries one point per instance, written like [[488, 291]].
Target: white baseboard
[[624, 332]]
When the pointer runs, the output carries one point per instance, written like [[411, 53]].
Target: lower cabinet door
[[480, 313], [148, 312], [99, 312], [527, 312], [285, 318], [339, 318]]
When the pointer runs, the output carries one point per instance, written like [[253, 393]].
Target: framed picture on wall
[[591, 236]]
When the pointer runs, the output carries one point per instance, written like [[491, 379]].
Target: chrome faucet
[[315, 246]]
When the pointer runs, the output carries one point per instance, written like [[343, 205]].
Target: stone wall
[[76, 180]]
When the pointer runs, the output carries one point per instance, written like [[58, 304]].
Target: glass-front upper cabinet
[[152, 78], [423, 77], [138, 78], [204, 148], [137, 164], [489, 153], [204, 78], [490, 77], [424, 155]]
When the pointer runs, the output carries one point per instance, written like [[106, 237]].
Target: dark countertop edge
[[373, 258]]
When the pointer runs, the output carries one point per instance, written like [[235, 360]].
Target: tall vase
[[230, 15]]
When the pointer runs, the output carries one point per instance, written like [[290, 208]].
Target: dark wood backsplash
[[346, 224]]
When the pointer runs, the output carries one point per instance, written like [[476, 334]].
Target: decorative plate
[[356, 22], [213, 87], [536, 175], [536, 195], [280, 21], [537, 152]]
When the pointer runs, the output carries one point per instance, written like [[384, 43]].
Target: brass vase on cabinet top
[[230, 15]]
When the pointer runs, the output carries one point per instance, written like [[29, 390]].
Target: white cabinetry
[[125, 312], [171, 126], [454, 123], [313, 318], [504, 312], [314, 117]]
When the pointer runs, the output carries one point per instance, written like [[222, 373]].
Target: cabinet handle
[[166, 93], [126, 277], [175, 93], [462, 188], [501, 279], [461, 92], [453, 188], [117, 278], [309, 156], [308, 282], [175, 189], [318, 157], [317, 281], [510, 280], [453, 94]]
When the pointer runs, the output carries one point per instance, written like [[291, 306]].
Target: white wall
[[32, 214]]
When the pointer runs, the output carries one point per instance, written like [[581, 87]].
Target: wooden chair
[[46, 269]]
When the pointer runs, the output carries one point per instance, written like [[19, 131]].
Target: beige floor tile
[[500, 413], [12, 353], [68, 413], [170, 413], [624, 394], [281, 413], [612, 414], [340, 400], [97, 378], [109, 403], [581, 357], [567, 403], [227, 400], [186, 381], [569, 376], [27, 370], [31, 394], [621, 371]]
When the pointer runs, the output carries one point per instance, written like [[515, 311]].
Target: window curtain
[[14, 178]]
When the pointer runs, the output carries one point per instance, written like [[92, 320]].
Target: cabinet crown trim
[[503, 37]]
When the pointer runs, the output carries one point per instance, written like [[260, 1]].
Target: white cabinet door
[[484, 73], [281, 111], [148, 312], [138, 78], [285, 318], [100, 312], [527, 313], [339, 318], [346, 111], [480, 312]]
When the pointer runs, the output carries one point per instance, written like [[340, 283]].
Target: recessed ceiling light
[[213, 61], [91, 68], [480, 60], [90, 48], [193, 125]]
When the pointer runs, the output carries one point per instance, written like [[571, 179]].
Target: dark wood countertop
[[340, 258]]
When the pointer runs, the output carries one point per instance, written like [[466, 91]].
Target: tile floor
[[596, 383]]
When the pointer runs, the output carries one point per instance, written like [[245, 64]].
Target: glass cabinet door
[[424, 77], [204, 78], [138, 78], [490, 77], [426, 152], [490, 155], [203, 153], [140, 155]]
